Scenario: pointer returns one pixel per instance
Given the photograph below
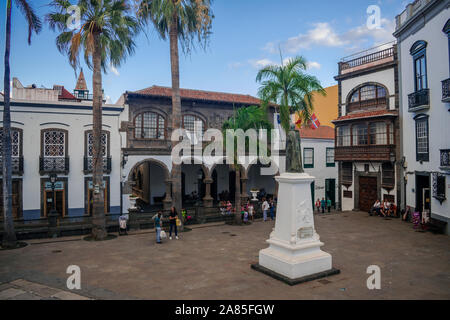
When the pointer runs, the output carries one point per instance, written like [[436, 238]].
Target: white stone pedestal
[[294, 250]]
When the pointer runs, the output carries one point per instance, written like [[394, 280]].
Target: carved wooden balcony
[[365, 153]]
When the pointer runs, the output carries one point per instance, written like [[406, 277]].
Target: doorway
[[423, 194], [368, 193], [90, 196], [330, 191], [16, 198], [55, 198]]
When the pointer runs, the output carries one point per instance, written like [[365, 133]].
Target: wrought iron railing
[[89, 164], [16, 165], [373, 57], [419, 99], [446, 90], [445, 158], [53, 165]]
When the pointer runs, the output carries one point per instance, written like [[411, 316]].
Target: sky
[[246, 36]]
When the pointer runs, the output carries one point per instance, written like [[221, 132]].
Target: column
[[208, 200], [244, 194], [167, 202]]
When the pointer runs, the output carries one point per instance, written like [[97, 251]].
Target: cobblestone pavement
[[213, 262]]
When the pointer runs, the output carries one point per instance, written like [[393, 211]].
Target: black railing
[[89, 166], [445, 158], [446, 90], [16, 165], [419, 100], [376, 56], [53, 165]]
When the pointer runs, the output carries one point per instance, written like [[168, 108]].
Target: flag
[[315, 124], [298, 123]]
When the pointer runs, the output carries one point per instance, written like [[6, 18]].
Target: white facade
[[32, 117], [421, 26]]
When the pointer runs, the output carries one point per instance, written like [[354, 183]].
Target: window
[[343, 136], [360, 136], [54, 151], [439, 187], [149, 125], [418, 52], [16, 151], [104, 140], [330, 157], [378, 133], [194, 126], [308, 157], [422, 148], [368, 96], [388, 178], [347, 173]]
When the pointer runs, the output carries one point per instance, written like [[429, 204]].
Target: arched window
[[54, 151], [193, 123], [367, 97], [149, 125], [419, 54]]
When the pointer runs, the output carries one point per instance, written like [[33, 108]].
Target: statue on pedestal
[[293, 151]]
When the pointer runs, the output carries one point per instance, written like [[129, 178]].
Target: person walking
[[158, 224], [329, 205], [323, 203], [318, 205], [173, 223], [272, 209], [265, 208]]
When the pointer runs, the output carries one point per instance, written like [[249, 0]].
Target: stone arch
[[159, 163]]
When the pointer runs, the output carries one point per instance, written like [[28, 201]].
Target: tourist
[[250, 211], [229, 207], [173, 222], [376, 207], [385, 208], [265, 208], [272, 209], [158, 224], [318, 205], [123, 225], [323, 203], [329, 205]]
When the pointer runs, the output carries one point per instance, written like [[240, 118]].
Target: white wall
[[437, 54]]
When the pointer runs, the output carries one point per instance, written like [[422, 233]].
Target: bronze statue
[[293, 151]]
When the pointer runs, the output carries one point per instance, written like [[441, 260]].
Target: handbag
[[163, 234], [178, 222]]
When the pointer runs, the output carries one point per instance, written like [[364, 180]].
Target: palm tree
[[185, 21], [34, 25], [252, 117], [289, 87], [105, 35]]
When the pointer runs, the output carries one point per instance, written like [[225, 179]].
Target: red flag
[[315, 124], [299, 123]]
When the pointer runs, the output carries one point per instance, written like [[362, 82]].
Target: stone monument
[[294, 255]]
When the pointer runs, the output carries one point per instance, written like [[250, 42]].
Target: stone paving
[[213, 262]]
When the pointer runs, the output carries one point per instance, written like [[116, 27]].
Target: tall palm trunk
[[176, 111], [237, 200], [98, 207], [9, 237]]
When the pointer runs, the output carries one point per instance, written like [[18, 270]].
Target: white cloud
[[314, 65], [322, 34], [114, 70], [261, 63]]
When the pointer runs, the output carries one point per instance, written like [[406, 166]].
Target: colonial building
[[422, 34], [52, 137], [367, 143], [147, 163]]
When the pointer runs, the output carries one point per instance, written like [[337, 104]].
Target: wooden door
[[16, 199], [368, 193]]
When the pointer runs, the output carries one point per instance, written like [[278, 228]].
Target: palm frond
[[33, 21]]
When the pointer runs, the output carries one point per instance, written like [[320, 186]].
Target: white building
[[367, 145], [51, 134], [422, 33]]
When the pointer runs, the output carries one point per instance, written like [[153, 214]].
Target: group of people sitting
[[385, 209], [226, 207]]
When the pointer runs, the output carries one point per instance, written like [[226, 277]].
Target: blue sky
[[247, 35]]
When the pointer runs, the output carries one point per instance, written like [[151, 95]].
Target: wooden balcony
[[365, 153]]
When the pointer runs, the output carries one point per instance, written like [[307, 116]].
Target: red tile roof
[[367, 114], [323, 132], [201, 95], [66, 95]]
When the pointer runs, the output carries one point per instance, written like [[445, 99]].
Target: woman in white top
[[265, 208]]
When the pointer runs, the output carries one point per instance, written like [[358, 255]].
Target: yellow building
[[326, 108]]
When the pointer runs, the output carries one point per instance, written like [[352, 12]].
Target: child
[[323, 204], [272, 209], [122, 225], [158, 224], [329, 205], [250, 211], [318, 205]]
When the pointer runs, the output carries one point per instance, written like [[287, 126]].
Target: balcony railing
[[446, 90], [16, 165], [89, 166], [445, 158], [419, 100], [53, 165], [344, 66], [365, 153]]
